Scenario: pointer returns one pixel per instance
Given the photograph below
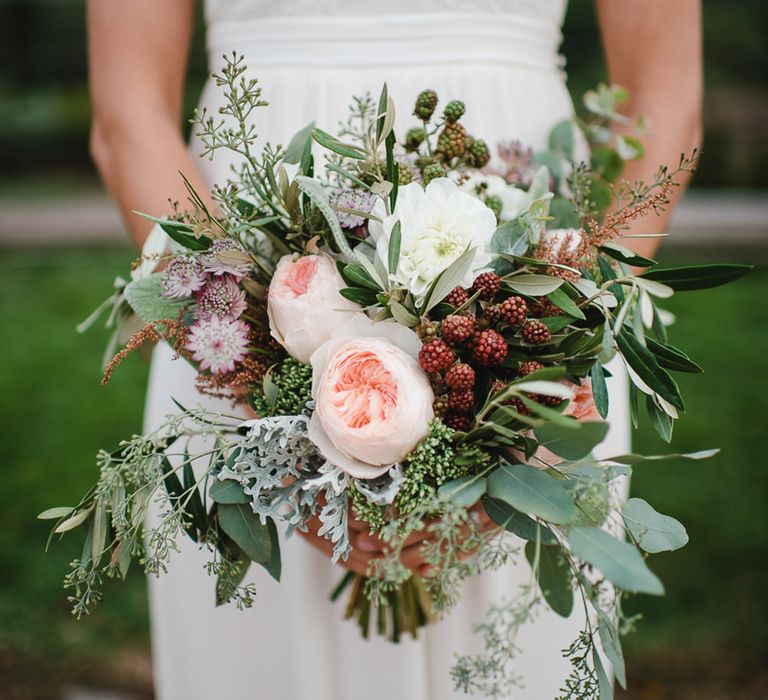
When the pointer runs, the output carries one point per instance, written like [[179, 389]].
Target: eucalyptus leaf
[[604, 685], [532, 491], [274, 564], [464, 491], [599, 389], [554, 577], [245, 528], [620, 562], [510, 238], [227, 491], [611, 642], [653, 531], [520, 524], [572, 444]]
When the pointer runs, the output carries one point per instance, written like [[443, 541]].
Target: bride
[[501, 58]]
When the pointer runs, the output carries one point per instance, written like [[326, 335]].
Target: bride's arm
[[653, 48], [137, 57]]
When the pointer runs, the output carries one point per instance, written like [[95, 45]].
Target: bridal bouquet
[[420, 337]]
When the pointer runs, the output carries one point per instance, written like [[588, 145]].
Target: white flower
[[373, 402], [437, 225], [304, 304], [514, 201], [217, 344]]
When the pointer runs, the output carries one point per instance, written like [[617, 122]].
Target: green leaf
[[625, 255], [195, 503], [180, 232], [640, 459], [274, 565], [605, 687], [600, 193], [402, 315], [146, 299], [244, 527], [670, 357], [448, 279], [562, 301], [643, 362], [55, 513], [661, 422], [554, 577], [607, 163], [561, 138], [619, 561], [383, 101], [465, 491], [611, 642], [298, 143], [520, 524], [653, 531], [74, 521], [510, 238], [572, 444], [394, 248], [599, 389], [697, 276], [532, 491], [533, 285], [358, 275], [364, 297], [312, 189], [227, 491], [563, 213], [333, 144]]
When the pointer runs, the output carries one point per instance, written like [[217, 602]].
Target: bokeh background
[[61, 245]]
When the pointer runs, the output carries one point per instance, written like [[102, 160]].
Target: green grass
[[55, 415]]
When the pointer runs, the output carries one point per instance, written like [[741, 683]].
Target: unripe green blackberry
[[452, 140], [495, 205], [425, 104], [432, 171], [453, 111], [404, 173], [478, 154], [414, 138]]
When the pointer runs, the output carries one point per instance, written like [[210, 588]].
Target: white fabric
[[293, 643]]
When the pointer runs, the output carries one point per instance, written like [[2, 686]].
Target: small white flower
[[437, 225], [217, 344]]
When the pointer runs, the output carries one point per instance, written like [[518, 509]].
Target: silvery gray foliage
[[382, 491], [282, 472]]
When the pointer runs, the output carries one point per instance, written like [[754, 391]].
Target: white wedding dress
[[311, 56]]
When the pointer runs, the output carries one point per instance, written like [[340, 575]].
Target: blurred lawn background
[[707, 639]]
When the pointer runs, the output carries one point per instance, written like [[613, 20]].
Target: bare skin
[[652, 47]]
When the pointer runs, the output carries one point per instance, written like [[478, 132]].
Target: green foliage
[[291, 384]]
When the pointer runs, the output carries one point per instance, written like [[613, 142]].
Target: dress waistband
[[388, 40]]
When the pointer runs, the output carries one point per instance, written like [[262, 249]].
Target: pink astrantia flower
[[221, 297], [217, 344], [215, 259], [182, 278]]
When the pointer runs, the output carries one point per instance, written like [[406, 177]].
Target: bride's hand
[[367, 547]]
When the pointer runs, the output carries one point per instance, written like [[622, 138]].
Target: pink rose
[[304, 304], [373, 402]]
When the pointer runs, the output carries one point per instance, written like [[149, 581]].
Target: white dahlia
[[437, 224], [514, 201]]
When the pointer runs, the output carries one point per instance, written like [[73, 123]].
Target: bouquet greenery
[[419, 335]]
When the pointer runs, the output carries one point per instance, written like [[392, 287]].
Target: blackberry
[[529, 367], [460, 377], [489, 348], [458, 421], [456, 329], [477, 153], [488, 284], [535, 333], [414, 138], [544, 307], [404, 173], [453, 111], [432, 171], [435, 355], [452, 140], [492, 314], [513, 310], [457, 297], [425, 104], [461, 400]]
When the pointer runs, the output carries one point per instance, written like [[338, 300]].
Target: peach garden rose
[[373, 402], [304, 304]]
